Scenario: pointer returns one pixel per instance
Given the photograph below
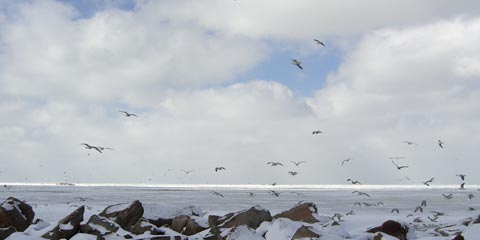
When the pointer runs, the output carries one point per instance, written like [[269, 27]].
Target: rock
[[15, 213], [5, 232], [186, 225], [458, 237], [252, 217], [123, 214], [303, 213], [160, 222], [213, 220], [214, 234], [143, 226], [391, 228], [99, 226], [68, 226], [304, 232]]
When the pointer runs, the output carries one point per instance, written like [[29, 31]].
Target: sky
[[213, 85]]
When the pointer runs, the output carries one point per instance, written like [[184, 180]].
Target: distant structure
[[65, 182]]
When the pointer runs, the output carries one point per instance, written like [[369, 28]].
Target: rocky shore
[[135, 221]]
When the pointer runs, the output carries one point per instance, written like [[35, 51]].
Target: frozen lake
[[51, 202]]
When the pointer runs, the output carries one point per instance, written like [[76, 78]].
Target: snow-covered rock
[[68, 226], [15, 213], [305, 212], [124, 214]]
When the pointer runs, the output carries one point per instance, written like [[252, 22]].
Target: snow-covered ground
[[52, 203]]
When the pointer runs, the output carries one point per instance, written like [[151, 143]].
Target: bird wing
[[97, 148], [395, 164]]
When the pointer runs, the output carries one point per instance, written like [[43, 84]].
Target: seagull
[[434, 219], [440, 143], [276, 194], [297, 63], [319, 42], [103, 148], [462, 186], [351, 212], [87, 146], [128, 114], [346, 160], [449, 196], [418, 208], [470, 196], [274, 183], [293, 173], [219, 168], [316, 132], [462, 176], [428, 181], [410, 143], [273, 164], [251, 194], [424, 203], [395, 210], [216, 194], [361, 193], [399, 167], [437, 214], [297, 163], [353, 182]]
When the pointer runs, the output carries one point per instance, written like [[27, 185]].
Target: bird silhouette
[[128, 114], [471, 196], [410, 143], [395, 210], [316, 132], [440, 144], [216, 194], [219, 168], [461, 176], [449, 196], [98, 148], [424, 203], [319, 42], [427, 183], [346, 160], [273, 164], [462, 186], [297, 163], [399, 167], [293, 173], [297, 63], [353, 181], [276, 194], [418, 208], [361, 193]]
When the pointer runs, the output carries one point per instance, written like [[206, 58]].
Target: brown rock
[[458, 237], [179, 223], [304, 232], [68, 226], [161, 222], [186, 225], [124, 215], [15, 213], [5, 232], [302, 213], [213, 220], [391, 228], [106, 226], [143, 226], [252, 217], [192, 227]]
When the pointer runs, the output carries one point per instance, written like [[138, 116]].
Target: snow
[[83, 236], [117, 208], [472, 232], [52, 203]]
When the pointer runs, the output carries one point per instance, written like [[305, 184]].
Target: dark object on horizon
[[128, 114], [462, 186], [297, 63]]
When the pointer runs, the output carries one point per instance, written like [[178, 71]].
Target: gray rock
[[123, 214], [68, 226], [15, 213]]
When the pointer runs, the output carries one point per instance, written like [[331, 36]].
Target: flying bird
[[353, 181], [418, 208], [462, 176], [434, 219], [87, 146], [216, 194], [276, 194], [128, 114], [293, 173], [346, 160], [399, 167], [449, 196], [410, 143], [319, 42], [273, 164], [297, 63], [361, 193], [316, 132], [251, 194], [351, 212], [462, 186], [395, 210], [427, 183], [219, 168], [470, 196], [440, 143], [424, 203], [297, 163]]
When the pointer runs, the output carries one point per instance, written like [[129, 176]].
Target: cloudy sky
[[212, 85]]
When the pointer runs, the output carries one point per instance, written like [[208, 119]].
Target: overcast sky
[[212, 85]]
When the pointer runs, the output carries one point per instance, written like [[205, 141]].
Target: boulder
[[143, 226], [124, 214], [252, 218], [99, 226], [5, 232], [160, 222], [68, 226], [458, 237], [391, 228], [186, 225], [304, 232], [304, 212], [15, 213]]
